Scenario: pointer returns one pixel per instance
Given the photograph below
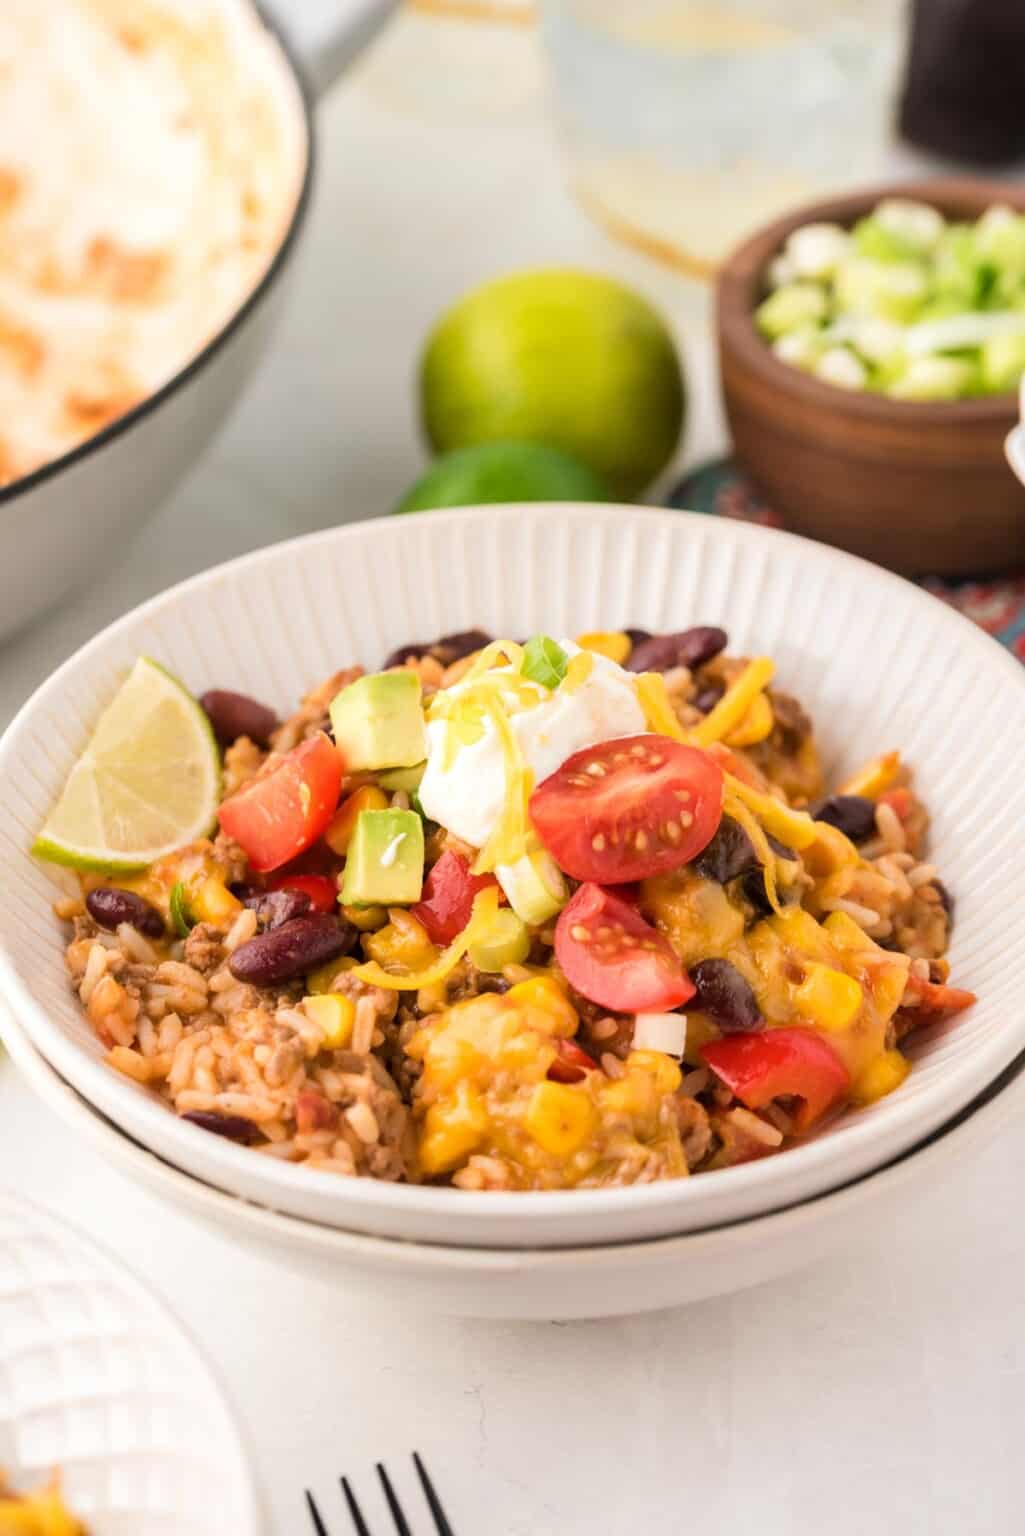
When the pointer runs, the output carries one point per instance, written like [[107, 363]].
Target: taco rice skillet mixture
[[543, 915]]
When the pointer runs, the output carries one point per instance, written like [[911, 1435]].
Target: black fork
[[402, 1526]]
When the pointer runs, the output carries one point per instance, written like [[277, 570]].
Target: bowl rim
[[755, 1179], [238, 317], [741, 274], [74, 1110]]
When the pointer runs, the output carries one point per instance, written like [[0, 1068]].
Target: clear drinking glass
[[690, 122]]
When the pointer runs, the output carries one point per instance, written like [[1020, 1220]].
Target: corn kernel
[[845, 933], [560, 1118], [343, 823], [829, 998], [831, 851], [366, 919], [214, 903], [545, 994], [801, 933], [612, 643], [335, 1013], [754, 726], [452, 1130], [403, 942], [662, 1068], [881, 1076], [323, 978]]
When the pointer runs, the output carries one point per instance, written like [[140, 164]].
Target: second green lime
[[562, 357], [495, 472]]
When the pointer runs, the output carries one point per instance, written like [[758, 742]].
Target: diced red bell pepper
[[572, 1064], [939, 998], [775, 1063], [447, 901], [322, 891]]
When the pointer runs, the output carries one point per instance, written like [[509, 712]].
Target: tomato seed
[[598, 842], [579, 932], [640, 841], [672, 832], [596, 770], [686, 819], [655, 761]]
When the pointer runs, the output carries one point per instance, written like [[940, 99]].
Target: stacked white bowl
[[877, 662]]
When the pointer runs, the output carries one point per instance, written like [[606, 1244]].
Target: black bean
[[754, 888], [446, 649], [725, 996], [729, 854], [233, 715], [298, 946], [108, 905], [852, 815], [242, 890], [946, 899], [708, 697], [231, 1126], [688, 648], [276, 907]]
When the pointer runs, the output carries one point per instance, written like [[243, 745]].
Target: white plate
[[878, 662], [617, 1280], [97, 1379]]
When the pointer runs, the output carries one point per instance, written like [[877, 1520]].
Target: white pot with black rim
[[59, 520]]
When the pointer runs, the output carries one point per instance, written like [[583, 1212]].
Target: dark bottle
[[964, 86]]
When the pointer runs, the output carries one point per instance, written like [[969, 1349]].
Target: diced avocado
[[378, 721], [402, 778], [1003, 361], [798, 304], [385, 862]]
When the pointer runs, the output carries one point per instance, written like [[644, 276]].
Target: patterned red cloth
[[998, 606]]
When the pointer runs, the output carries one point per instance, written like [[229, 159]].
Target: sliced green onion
[[544, 661], [182, 919]]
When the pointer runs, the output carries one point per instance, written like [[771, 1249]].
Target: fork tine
[[440, 1518], [393, 1504], [318, 1524], [354, 1509]]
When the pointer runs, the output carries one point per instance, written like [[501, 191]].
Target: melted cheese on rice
[[151, 156]]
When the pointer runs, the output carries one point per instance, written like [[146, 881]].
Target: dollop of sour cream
[[464, 784]]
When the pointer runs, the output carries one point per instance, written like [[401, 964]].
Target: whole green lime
[[492, 472], [560, 357]]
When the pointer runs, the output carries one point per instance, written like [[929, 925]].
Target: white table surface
[[882, 1392]]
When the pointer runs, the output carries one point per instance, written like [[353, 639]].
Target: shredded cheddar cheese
[[485, 906], [734, 704]]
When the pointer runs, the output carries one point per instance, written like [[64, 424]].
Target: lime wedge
[[148, 781]]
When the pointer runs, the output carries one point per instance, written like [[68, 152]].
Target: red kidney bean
[[300, 945], [730, 854], [233, 715], [446, 649], [687, 648], [852, 815], [708, 697], [274, 908], [108, 905], [233, 1127], [725, 996], [636, 636]]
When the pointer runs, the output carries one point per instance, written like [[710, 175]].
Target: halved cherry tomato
[[447, 901], [277, 816], [629, 808], [613, 957], [572, 1063], [936, 997], [793, 1062], [323, 893]]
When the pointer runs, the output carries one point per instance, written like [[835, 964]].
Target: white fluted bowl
[[100, 1384], [878, 662]]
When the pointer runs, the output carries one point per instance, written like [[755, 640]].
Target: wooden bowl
[[920, 487]]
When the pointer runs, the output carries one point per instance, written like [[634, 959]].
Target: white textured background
[[871, 1395]]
